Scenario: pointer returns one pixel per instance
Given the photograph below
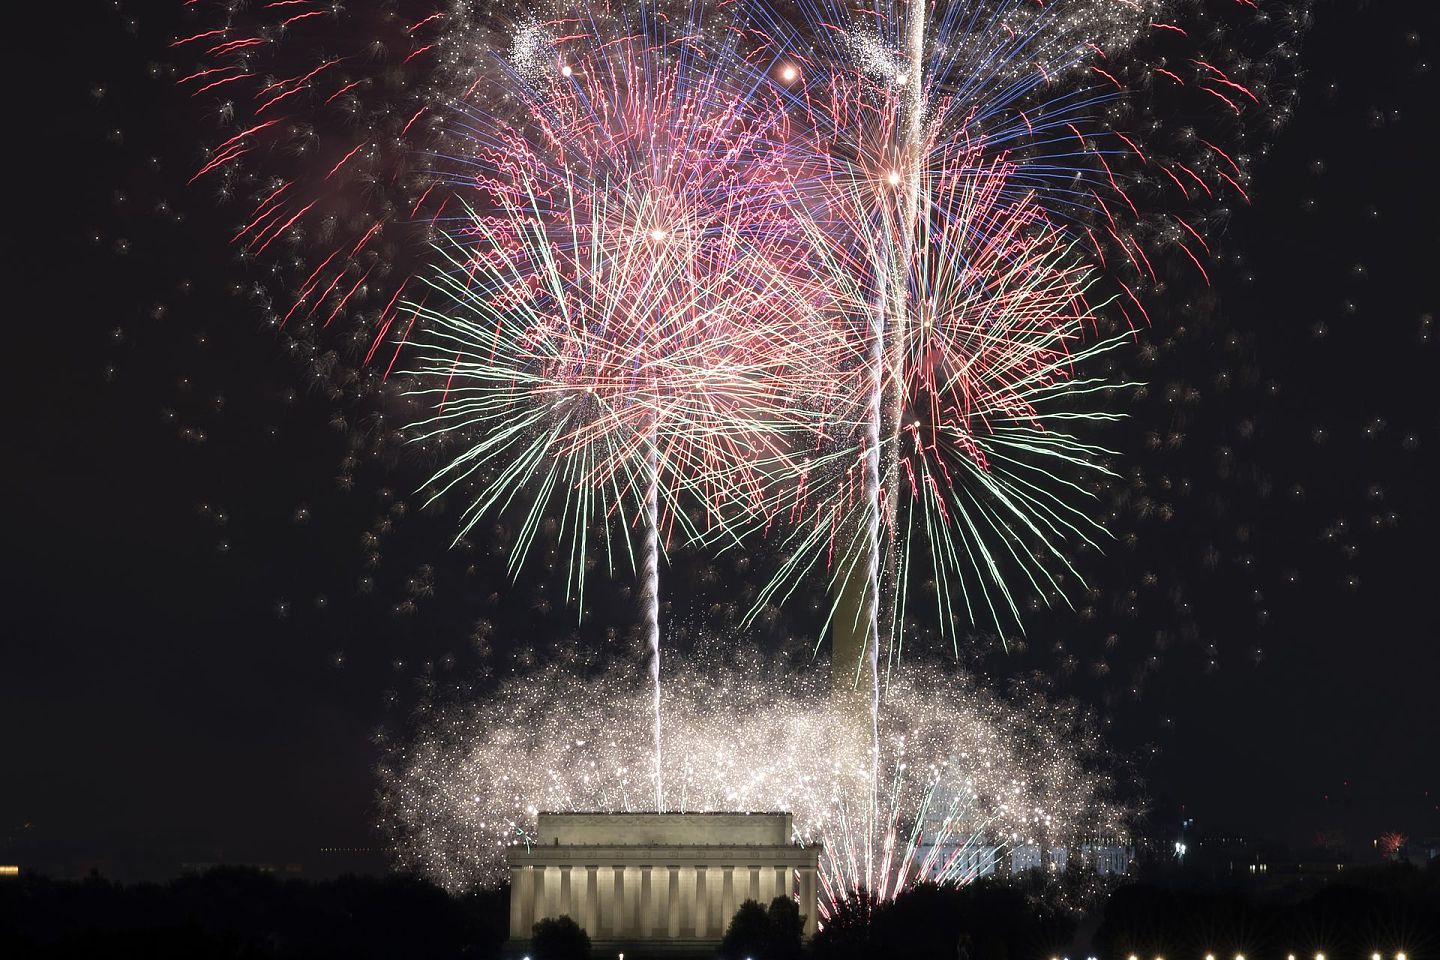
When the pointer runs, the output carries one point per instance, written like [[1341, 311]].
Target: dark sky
[[194, 665]]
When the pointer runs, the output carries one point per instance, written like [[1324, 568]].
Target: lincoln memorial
[[657, 882]]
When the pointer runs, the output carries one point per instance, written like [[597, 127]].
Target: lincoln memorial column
[[567, 900], [645, 929], [517, 904], [718, 921], [618, 904], [784, 886], [527, 901], [672, 924], [752, 885], [727, 895], [591, 913], [632, 901], [808, 905], [702, 903], [539, 893]]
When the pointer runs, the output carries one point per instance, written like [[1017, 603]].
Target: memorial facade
[[647, 883]]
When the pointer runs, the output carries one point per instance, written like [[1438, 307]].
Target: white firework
[[963, 772]]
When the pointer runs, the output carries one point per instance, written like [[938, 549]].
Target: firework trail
[[965, 774], [628, 315]]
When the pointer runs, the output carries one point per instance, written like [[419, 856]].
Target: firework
[[337, 154], [975, 476], [1004, 136], [857, 257], [964, 772], [628, 312]]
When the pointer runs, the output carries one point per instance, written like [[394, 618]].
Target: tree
[[747, 933], [559, 939], [757, 933], [787, 930]]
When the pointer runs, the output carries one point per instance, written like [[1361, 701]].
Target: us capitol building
[[656, 883]]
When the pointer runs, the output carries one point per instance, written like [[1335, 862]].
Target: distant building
[[641, 881], [965, 852], [1111, 858]]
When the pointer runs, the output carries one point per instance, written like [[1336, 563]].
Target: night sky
[[210, 611]]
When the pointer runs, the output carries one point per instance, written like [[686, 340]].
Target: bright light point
[[789, 74], [565, 71], [1374, 956], [658, 234], [1399, 956], [893, 177]]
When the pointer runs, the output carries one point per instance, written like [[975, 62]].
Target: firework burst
[[1033, 142], [629, 311]]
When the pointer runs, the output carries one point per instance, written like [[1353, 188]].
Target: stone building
[[646, 883]]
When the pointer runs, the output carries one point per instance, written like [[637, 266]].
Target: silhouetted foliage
[[787, 930], [745, 937], [765, 934], [1390, 910], [240, 914], [982, 921], [559, 939]]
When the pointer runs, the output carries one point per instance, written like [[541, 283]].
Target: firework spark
[[963, 771]]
